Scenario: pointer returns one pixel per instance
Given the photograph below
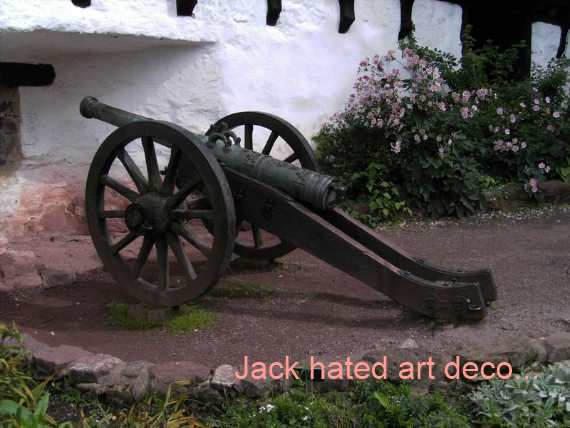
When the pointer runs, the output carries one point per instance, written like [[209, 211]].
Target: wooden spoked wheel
[[149, 233], [273, 136]]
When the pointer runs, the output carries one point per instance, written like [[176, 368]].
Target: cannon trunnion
[[167, 209]]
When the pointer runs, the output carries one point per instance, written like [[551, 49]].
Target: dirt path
[[315, 309]]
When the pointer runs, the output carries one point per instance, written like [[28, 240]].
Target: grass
[[191, 318], [117, 315], [186, 320]]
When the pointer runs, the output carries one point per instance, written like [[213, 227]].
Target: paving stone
[[557, 347], [52, 359], [519, 352], [134, 368], [54, 277], [395, 357], [166, 374], [89, 368], [224, 378], [409, 344]]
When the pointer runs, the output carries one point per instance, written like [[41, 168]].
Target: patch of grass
[[191, 318], [118, 315], [186, 320], [243, 290]]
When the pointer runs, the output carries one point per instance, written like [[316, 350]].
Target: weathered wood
[[273, 11], [18, 74], [81, 3], [406, 24], [185, 7], [347, 16]]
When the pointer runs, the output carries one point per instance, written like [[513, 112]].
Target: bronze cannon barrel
[[305, 185]]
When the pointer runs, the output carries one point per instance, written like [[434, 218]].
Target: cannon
[[167, 209]]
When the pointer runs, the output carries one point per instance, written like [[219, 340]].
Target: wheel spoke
[[112, 214], [257, 240], [270, 142], [142, 258], [151, 163], [121, 189], [248, 144], [291, 158], [162, 259], [182, 194], [126, 240], [181, 256], [187, 236], [167, 188], [133, 170]]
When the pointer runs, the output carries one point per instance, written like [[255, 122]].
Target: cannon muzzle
[[305, 185]]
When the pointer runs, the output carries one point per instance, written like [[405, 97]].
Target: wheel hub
[[148, 213]]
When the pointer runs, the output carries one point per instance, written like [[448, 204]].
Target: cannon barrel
[[305, 185]]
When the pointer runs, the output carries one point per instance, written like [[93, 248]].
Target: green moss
[[185, 320], [118, 315], [191, 318]]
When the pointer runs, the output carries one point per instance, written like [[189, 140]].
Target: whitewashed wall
[[302, 69], [138, 55]]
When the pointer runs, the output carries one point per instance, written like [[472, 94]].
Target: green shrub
[[539, 401], [378, 405], [428, 131]]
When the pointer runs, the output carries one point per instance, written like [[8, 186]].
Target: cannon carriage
[[215, 196]]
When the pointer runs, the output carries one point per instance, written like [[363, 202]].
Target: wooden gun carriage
[[213, 182]]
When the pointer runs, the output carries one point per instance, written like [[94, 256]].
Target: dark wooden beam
[[18, 74], [273, 11], [563, 41], [185, 7], [346, 15], [81, 3], [406, 24]]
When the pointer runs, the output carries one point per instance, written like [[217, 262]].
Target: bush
[[427, 131], [540, 401]]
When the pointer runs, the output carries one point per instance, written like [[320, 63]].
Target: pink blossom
[[541, 165], [533, 183], [500, 111], [396, 147], [556, 114], [535, 108], [464, 112], [391, 55], [513, 118]]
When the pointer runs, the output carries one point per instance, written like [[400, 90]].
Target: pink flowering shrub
[[415, 135], [404, 116]]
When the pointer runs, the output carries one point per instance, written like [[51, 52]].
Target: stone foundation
[[9, 125]]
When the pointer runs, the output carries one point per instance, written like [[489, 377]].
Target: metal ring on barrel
[[158, 215], [283, 133]]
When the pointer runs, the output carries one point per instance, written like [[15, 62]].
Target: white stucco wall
[[138, 55], [545, 40], [438, 24], [302, 69]]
